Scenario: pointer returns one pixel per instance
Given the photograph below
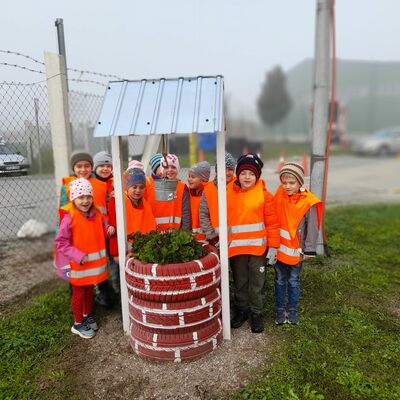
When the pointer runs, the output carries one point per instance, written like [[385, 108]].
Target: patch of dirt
[[106, 367]]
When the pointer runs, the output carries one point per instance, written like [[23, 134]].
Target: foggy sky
[[240, 39]]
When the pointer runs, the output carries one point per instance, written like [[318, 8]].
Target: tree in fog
[[274, 102]]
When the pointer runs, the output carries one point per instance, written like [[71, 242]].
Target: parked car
[[11, 162], [381, 143]]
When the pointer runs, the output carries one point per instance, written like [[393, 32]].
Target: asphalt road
[[351, 180]]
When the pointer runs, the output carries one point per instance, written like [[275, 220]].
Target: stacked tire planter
[[175, 309]]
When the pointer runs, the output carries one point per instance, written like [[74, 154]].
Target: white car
[[381, 143], [11, 162]]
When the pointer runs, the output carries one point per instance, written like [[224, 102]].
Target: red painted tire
[[173, 282], [176, 347], [177, 316]]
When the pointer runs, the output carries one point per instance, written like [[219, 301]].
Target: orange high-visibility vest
[[246, 227], [194, 208], [291, 210], [88, 236], [211, 195], [101, 193], [139, 219], [168, 214]]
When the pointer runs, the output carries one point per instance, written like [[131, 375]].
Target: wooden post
[[223, 235], [116, 146]]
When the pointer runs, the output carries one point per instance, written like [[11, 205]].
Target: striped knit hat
[[155, 161], [294, 169]]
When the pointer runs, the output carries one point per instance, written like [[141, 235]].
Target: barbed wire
[[21, 67], [21, 55], [86, 81], [79, 71]]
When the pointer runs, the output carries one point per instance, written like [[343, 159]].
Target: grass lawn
[[347, 345]]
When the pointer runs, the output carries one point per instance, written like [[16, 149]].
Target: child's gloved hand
[[271, 256], [110, 230]]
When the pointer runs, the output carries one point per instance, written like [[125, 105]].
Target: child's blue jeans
[[287, 279]]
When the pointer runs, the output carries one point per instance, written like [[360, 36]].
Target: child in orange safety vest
[[252, 227], [198, 179], [81, 252], [208, 210], [139, 216], [299, 213], [170, 214]]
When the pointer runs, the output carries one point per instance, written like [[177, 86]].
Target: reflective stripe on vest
[[247, 242], [289, 251], [197, 230], [88, 272], [168, 220], [285, 234], [96, 255], [246, 228], [103, 210]]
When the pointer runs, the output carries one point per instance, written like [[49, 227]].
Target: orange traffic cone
[[281, 163], [304, 164]]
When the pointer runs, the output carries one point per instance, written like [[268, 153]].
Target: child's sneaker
[[280, 316], [89, 320], [293, 317], [83, 330]]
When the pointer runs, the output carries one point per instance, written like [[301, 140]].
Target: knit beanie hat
[[201, 170], [135, 164], [134, 176], [294, 169], [172, 159], [229, 162], [80, 187], [101, 158], [155, 161], [80, 155], [251, 162]]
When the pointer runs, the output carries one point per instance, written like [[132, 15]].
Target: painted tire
[[177, 316], [173, 282], [176, 347]]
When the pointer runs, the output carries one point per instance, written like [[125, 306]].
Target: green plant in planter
[[166, 247]]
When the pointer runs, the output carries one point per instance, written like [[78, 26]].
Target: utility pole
[[59, 23], [321, 101]]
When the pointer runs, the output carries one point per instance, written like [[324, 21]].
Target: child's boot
[[257, 323], [280, 317], [239, 319], [293, 316]]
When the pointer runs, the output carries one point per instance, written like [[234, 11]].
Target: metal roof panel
[[162, 106]]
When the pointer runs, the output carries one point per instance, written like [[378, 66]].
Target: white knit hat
[[172, 159], [80, 187]]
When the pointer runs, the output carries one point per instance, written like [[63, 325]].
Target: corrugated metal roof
[[162, 106]]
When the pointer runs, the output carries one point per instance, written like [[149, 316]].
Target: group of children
[[282, 228]]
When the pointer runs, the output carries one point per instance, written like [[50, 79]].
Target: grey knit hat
[[201, 170], [229, 162], [80, 155], [101, 158], [294, 169], [134, 176]]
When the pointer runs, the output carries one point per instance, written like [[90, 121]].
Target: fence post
[[59, 115]]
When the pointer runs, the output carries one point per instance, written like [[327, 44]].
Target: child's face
[[83, 169], [83, 203], [228, 175], [136, 191], [247, 179], [104, 171], [290, 184], [194, 182], [171, 172]]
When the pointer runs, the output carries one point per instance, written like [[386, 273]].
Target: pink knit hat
[[80, 187], [135, 164], [172, 159]]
